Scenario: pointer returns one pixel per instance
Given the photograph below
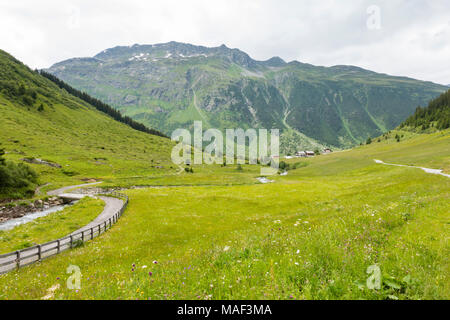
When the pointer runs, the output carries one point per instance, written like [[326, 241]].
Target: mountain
[[167, 86], [66, 139], [436, 114]]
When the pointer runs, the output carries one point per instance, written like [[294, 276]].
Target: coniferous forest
[[436, 114], [101, 106]]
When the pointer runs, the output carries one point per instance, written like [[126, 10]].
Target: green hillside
[[40, 120], [435, 115], [167, 86]]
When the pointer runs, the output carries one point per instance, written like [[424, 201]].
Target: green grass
[[203, 175], [426, 150], [91, 145], [85, 142], [310, 235], [53, 226]]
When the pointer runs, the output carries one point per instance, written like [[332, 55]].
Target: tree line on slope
[[18, 92], [101, 106], [436, 114], [16, 180]]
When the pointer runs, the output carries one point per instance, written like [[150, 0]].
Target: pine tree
[[2, 153]]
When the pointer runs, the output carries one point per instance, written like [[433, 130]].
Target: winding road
[[112, 207]]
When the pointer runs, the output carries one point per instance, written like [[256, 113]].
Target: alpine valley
[[169, 85]]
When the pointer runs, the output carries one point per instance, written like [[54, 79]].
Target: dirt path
[[64, 189], [38, 189], [427, 170]]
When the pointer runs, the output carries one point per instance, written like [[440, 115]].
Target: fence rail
[[21, 258]]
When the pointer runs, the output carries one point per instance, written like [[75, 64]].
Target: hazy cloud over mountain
[[410, 38]]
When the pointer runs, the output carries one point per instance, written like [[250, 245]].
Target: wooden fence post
[[82, 236], [18, 259], [71, 241], [92, 233], [58, 247], [39, 252]]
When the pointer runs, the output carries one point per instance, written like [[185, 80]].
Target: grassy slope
[[426, 150], [84, 141], [312, 234]]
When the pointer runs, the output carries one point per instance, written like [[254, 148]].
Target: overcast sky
[[398, 37]]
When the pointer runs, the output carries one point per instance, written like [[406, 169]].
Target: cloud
[[413, 38]]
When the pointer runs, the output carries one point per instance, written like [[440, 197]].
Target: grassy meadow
[[216, 234]]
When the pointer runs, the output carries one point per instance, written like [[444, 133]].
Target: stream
[[10, 224], [427, 170]]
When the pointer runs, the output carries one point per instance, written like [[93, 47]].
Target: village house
[[310, 153]]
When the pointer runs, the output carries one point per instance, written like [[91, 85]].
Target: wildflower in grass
[[226, 248], [144, 267], [150, 273], [155, 262]]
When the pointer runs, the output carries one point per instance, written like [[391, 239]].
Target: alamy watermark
[[262, 149], [74, 280], [374, 279], [373, 22], [73, 20]]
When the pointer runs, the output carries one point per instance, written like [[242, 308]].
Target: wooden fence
[[21, 258]]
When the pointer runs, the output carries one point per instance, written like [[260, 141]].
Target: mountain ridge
[[315, 106]]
